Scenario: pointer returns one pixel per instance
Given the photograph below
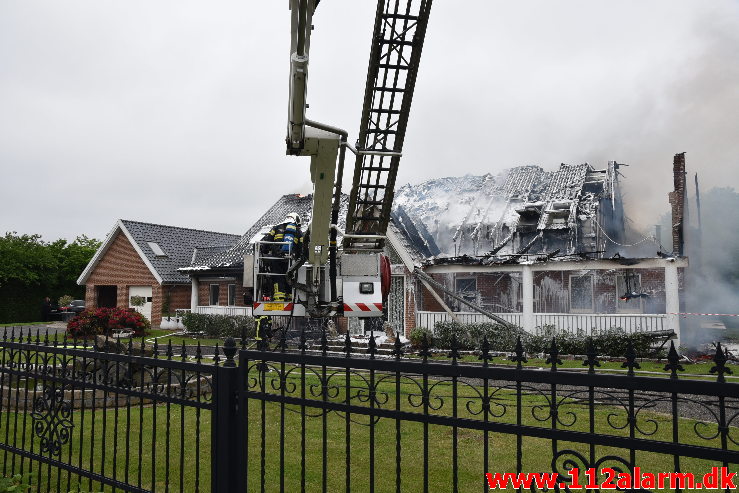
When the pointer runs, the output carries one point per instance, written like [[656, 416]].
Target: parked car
[[75, 306]]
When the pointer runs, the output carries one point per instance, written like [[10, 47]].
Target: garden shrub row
[[611, 342], [219, 326]]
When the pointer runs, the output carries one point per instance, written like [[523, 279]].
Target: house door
[[142, 292], [396, 304], [107, 296]]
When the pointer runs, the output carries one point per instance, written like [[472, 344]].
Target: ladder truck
[[343, 273]]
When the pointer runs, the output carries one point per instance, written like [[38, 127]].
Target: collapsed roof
[[522, 210]]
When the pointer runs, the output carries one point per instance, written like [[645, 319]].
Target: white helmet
[[293, 217]]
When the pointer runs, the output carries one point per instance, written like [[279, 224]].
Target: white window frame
[[592, 293], [637, 304], [231, 299], [210, 294]]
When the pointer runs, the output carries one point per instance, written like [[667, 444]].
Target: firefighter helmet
[[293, 217]]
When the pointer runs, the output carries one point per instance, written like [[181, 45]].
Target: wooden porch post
[[528, 298], [194, 294]]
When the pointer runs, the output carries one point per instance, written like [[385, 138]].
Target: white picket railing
[[224, 310], [586, 323]]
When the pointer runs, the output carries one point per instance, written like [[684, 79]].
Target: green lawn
[[121, 457]]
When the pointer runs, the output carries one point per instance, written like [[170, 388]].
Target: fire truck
[[343, 272]]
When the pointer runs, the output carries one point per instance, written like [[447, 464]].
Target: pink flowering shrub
[[101, 321]]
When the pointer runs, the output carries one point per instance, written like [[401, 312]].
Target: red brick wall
[[179, 296], [204, 292], [121, 266]]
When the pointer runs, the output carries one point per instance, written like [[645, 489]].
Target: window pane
[[581, 292], [214, 294], [231, 294]]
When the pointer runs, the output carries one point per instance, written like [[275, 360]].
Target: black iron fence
[[83, 416], [135, 417]]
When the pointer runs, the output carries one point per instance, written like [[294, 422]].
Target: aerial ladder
[[348, 277]]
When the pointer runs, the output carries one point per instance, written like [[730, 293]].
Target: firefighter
[[288, 243]]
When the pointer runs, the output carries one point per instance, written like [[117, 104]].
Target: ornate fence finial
[[155, 350], [424, 352], [673, 361], [630, 362], [372, 346], [216, 357], [183, 351], [229, 350], [243, 336], [198, 353], [485, 348], [519, 354], [348, 344], [592, 356], [170, 352], [129, 349], [454, 353], [397, 347], [720, 367], [553, 358]]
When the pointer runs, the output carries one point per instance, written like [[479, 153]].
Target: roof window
[[156, 249]]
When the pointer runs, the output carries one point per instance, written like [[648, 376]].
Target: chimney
[[677, 201]]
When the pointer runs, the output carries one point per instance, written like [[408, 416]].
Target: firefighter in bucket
[[286, 244]]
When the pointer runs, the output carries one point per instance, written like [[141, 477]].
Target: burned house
[[539, 249]]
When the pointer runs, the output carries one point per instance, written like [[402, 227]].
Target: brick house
[[141, 259]]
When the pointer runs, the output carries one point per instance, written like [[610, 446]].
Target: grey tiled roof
[[233, 257], [178, 243]]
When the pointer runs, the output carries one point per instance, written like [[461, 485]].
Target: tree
[[31, 269]]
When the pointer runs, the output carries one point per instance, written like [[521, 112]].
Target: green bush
[[219, 326], [13, 484], [417, 337], [470, 336], [611, 342], [64, 300]]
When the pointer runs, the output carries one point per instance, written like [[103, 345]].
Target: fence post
[[226, 436]]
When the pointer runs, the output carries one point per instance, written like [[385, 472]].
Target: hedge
[[219, 326], [611, 342]]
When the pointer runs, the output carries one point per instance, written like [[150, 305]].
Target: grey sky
[[174, 111]]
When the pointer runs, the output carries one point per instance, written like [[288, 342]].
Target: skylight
[[156, 249]]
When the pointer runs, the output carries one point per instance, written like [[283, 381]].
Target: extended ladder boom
[[397, 42]]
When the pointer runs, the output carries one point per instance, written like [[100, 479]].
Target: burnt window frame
[[590, 276], [620, 292], [459, 292]]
